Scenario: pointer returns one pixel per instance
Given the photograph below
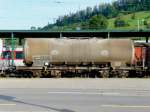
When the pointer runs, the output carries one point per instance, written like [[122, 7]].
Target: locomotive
[[89, 57]]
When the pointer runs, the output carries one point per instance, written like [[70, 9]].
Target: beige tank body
[[76, 51]]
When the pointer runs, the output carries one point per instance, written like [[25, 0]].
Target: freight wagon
[[91, 57]]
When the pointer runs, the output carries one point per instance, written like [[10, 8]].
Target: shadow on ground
[[12, 99]]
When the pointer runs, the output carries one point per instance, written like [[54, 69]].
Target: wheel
[[123, 74], [104, 74], [36, 73]]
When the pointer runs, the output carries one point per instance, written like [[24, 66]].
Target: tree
[[133, 16], [98, 22], [119, 22], [109, 11], [148, 25], [95, 10], [85, 25], [88, 12], [33, 28]]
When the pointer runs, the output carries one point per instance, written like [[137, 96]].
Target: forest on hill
[[121, 14]]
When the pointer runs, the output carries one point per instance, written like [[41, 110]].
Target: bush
[[98, 22], [119, 22]]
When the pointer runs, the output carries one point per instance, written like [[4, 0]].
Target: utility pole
[[108, 35], [139, 23], [13, 47]]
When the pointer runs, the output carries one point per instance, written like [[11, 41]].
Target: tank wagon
[[63, 57], [66, 57]]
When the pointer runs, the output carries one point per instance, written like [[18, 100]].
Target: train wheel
[[55, 73], [115, 74], [123, 74], [58, 74], [46, 74], [37, 73], [105, 74]]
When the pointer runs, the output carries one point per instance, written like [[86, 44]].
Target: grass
[[133, 23]]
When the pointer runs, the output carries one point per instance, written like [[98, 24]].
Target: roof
[[58, 34]]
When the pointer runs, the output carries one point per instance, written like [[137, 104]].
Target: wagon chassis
[[83, 72]]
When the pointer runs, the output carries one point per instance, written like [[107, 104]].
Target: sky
[[22, 14]]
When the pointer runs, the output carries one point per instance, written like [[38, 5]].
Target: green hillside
[[142, 17], [118, 15]]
